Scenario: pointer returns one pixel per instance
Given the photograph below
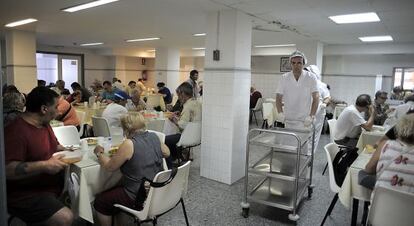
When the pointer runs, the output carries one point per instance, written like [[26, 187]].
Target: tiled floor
[[213, 203]]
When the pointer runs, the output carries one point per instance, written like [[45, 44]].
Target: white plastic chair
[[174, 100], [391, 207], [81, 116], [161, 136], [258, 107], [100, 127], [190, 137], [338, 110], [331, 150], [67, 135], [268, 115], [332, 124], [162, 200]]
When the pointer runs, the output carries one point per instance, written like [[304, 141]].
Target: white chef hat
[[298, 53], [314, 69]]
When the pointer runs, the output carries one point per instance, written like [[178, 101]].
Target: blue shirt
[[109, 95], [165, 91]]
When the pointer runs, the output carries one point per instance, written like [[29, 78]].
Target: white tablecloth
[[350, 188], [93, 180]]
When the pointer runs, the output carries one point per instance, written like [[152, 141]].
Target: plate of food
[[92, 141], [369, 148], [70, 157], [73, 147]]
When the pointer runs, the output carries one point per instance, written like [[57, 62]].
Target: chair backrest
[[331, 150], [332, 124], [338, 110], [161, 136], [165, 198], [191, 135], [391, 207], [67, 135], [100, 127], [268, 113], [174, 99], [259, 105], [82, 117]]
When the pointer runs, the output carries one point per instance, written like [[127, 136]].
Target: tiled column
[[226, 96], [167, 67], [21, 59], [313, 51]]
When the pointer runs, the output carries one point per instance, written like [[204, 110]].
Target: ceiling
[[275, 21]]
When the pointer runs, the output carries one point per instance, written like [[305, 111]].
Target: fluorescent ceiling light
[[199, 34], [151, 50], [385, 38], [92, 44], [87, 5], [199, 48], [21, 22], [270, 46], [141, 39], [355, 18]]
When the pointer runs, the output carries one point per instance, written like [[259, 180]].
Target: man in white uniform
[[116, 109], [299, 92], [351, 120], [324, 99]]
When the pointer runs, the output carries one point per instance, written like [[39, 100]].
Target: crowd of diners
[[35, 176]]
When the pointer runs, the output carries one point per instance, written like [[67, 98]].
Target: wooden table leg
[[355, 204]]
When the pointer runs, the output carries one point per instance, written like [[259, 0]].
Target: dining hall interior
[[207, 112]]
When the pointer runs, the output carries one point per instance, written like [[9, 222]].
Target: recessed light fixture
[[92, 44], [199, 34], [270, 46], [21, 22], [142, 39], [384, 38], [199, 48], [151, 50], [87, 5], [355, 18]]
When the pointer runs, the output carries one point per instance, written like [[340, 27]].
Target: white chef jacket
[[297, 96]]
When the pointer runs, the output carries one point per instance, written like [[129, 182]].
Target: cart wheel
[[293, 217], [310, 191], [245, 212]]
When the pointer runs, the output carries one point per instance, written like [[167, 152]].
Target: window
[[404, 77]]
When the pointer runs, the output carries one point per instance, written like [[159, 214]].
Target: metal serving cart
[[285, 168]]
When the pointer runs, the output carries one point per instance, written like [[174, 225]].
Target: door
[[69, 69]]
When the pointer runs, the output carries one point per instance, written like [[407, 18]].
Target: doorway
[[54, 66]]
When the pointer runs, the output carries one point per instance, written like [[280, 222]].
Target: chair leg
[[9, 221], [331, 206], [324, 170], [355, 204], [365, 213], [154, 221], [185, 212]]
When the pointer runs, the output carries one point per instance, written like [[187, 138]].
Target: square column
[[226, 97], [313, 51], [21, 59], [167, 67]]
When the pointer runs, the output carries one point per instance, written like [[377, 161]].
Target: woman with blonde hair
[[393, 161], [139, 156]]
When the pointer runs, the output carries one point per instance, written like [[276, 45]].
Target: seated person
[[35, 177], [140, 85], [13, 106], [350, 121], [132, 85], [116, 109], [60, 87], [66, 113], [117, 84], [74, 98], [109, 92], [85, 94], [392, 161], [140, 155], [166, 94], [382, 110], [397, 93], [191, 113], [135, 103], [402, 109], [254, 97]]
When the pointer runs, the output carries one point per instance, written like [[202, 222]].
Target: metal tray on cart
[[278, 193], [281, 142], [283, 165]]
